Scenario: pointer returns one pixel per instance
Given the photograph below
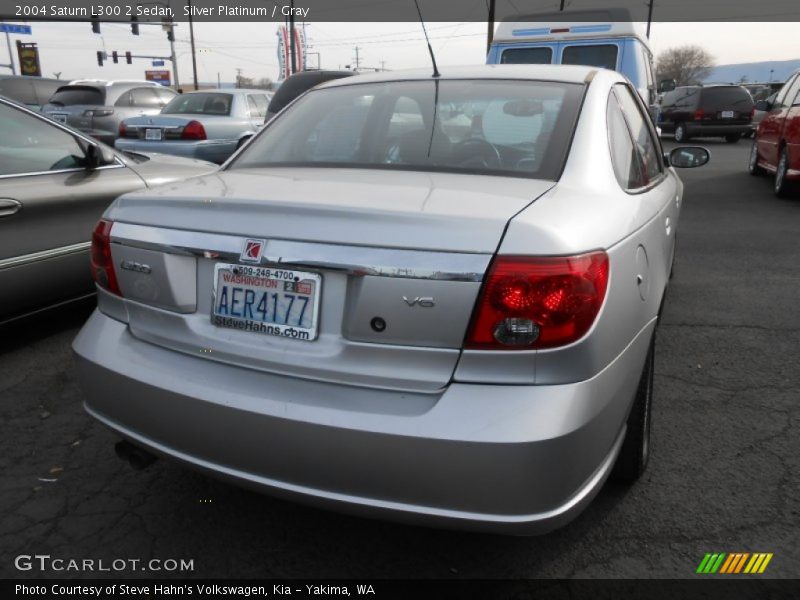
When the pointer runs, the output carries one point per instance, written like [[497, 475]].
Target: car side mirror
[[96, 155], [666, 85], [688, 157], [763, 105]]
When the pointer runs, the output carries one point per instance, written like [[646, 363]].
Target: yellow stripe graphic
[[754, 562], [765, 563]]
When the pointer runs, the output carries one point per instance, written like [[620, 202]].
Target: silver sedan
[[432, 299], [208, 125]]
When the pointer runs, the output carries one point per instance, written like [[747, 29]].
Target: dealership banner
[[29, 59]]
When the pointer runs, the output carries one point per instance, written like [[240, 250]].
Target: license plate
[[152, 134], [727, 114], [60, 117], [271, 301]]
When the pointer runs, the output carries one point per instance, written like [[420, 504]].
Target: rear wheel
[[680, 133], [635, 451], [781, 183], [752, 163], [733, 138], [243, 141]]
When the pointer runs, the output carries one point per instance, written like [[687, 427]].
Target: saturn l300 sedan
[[431, 299]]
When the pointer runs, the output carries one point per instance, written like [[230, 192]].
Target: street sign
[[13, 28], [158, 63], [161, 77]]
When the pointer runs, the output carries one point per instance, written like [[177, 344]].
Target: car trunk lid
[[399, 257]]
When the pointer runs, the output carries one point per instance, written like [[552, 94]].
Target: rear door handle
[[9, 207]]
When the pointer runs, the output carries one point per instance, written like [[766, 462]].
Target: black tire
[[635, 451], [733, 138], [752, 162], [782, 185], [681, 135], [243, 141]]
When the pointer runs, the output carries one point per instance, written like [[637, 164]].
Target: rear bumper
[[216, 151], [699, 130], [511, 459]]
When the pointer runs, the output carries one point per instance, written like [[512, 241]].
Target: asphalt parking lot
[[723, 476]]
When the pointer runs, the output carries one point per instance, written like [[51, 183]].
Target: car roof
[[559, 73]]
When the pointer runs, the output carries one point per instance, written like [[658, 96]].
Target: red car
[[776, 148]]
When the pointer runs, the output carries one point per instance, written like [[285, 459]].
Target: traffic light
[[100, 57], [128, 57], [95, 25], [134, 25], [166, 25], [115, 57]]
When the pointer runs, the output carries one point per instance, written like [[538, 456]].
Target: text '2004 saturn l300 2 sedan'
[[431, 299]]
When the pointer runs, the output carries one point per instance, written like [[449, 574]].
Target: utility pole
[[649, 16], [490, 31], [10, 55], [191, 39], [358, 62], [562, 5], [174, 62], [292, 49]]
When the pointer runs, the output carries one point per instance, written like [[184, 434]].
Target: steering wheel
[[476, 152]]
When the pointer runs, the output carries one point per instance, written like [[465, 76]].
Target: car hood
[[393, 209], [158, 169]]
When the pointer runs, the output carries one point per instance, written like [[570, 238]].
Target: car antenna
[[422, 22]]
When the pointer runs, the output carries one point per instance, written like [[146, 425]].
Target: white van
[[579, 38]]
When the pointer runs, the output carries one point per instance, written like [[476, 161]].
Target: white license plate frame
[[727, 114], [153, 135], [244, 319], [59, 117]]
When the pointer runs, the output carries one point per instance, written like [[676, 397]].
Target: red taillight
[[193, 130], [102, 263], [123, 131], [699, 115], [538, 302]]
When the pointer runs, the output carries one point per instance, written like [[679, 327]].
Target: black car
[[298, 84], [33, 92], [697, 111]]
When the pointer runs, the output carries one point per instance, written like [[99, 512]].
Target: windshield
[[199, 104], [473, 126], [78, 95]]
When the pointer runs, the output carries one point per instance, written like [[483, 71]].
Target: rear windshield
[[527, 56], [199, 104], [77, 94], [604, 56], [473, 126], [726, 98]]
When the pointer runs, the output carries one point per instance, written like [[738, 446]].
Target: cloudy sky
[[70, 48]]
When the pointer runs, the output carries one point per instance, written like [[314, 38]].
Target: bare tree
[[685, 64], [263, 83]]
